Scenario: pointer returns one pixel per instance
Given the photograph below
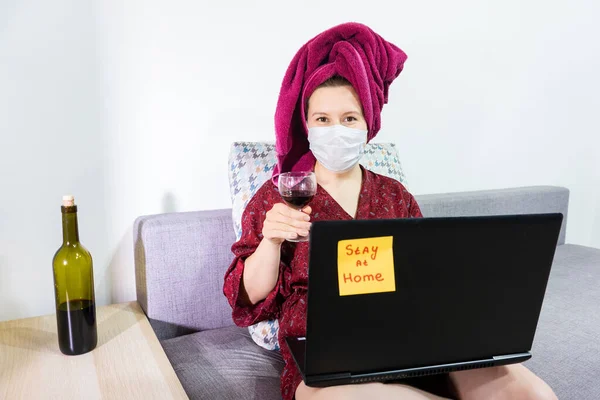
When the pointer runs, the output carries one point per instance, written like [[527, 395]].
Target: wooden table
[[127, 363]]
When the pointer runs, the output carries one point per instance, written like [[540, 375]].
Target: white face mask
[[337, 147]]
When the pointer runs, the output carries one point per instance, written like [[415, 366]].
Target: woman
[[268, 278]]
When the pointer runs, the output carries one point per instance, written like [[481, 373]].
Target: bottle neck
[[70, 228]]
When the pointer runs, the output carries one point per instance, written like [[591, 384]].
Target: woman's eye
[[351, 119], [322, 119]]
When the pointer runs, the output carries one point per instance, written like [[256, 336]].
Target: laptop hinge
[[507, 357], [330, 377]]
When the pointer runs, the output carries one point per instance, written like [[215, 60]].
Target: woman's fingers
[[281, 227], [288, 216], [290, 212], [283, 222], [293, 222], [275, 234]]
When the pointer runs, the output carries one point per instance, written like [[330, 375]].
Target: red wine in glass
[[297, 199]]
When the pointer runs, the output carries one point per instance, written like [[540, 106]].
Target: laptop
[[402, 298]]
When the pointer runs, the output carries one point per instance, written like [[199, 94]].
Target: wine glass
[[297, 190]]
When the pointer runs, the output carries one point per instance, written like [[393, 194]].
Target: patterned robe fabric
[[380, 197]]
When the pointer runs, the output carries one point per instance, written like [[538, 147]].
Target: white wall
[[131, 106], [52, 141]]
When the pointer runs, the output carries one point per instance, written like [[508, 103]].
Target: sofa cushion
[[225, 364], [567, 341]]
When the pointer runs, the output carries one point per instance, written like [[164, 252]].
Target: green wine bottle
[[74, 288]]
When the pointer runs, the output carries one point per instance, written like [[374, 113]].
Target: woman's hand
[[283, 222]]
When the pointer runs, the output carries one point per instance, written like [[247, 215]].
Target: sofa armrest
[[180, 263], [525, 200]]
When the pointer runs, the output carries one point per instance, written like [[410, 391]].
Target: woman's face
[[335, 106]]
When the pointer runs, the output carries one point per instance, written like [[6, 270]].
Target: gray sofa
[[180, 260]]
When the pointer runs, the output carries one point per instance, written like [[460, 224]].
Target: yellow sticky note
[[366, 266]]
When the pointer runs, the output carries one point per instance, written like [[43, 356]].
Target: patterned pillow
[[251, 165]]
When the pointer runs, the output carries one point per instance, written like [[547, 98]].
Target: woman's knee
[[502, 383], [372, 390], [304, 392], [346, 392], [531, 386], [539, 391]]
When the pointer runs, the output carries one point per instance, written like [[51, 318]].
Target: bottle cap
[[68, 201]]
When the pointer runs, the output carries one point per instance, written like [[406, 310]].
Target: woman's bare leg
[[514, 382], [369, 391]]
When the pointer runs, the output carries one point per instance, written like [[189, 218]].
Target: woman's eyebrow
[[318, 113]]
